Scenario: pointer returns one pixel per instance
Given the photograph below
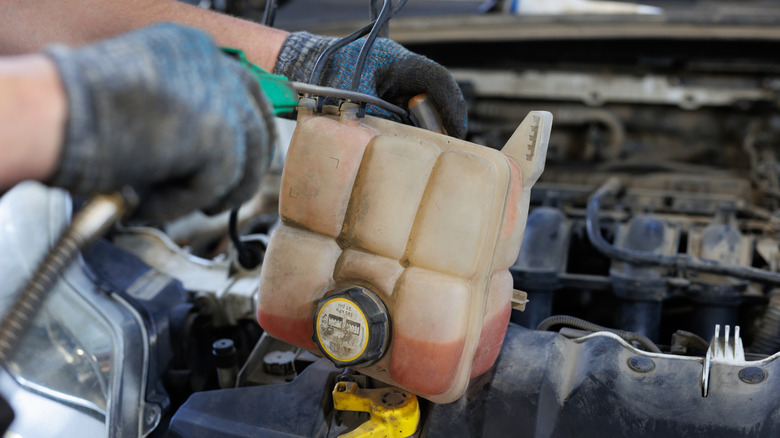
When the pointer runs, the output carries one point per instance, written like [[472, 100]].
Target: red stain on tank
[[424, 366], [296, 331], [490, 341]]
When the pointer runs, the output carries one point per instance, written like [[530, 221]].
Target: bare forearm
[[29, 25], [32, 118]]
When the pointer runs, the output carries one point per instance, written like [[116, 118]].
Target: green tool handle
[[276, 87]]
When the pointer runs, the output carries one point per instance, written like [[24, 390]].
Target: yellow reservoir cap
[[351, 327]]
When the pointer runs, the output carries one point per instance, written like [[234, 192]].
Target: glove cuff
[[299, 54], [75, 169]]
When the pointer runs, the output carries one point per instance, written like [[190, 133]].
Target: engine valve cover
[[395, 245]]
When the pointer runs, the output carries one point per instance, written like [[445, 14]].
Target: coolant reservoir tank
[[395, 245]]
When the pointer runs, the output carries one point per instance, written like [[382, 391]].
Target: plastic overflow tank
[[394, 248]]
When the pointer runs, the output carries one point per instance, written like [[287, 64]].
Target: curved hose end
[[613, 186]]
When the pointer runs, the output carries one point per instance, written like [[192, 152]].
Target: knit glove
[[163, 110], [391, 73]]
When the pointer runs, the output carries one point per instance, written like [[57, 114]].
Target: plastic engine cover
[[395, 245]]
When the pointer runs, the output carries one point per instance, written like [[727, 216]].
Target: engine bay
[[650, 259], [665, 280], [676, 135]]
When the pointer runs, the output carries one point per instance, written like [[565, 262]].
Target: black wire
[[269, 15], [681, 262], [247, 257], [384, 15], [373, 9], [487, 6], [323, 58], [373, 13], [581, 324], [373, 27], [233, 230]]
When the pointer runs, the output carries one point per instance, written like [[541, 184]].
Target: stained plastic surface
[[428, 223]]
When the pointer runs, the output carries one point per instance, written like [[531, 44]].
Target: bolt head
[[393, 398], [641, 364], [752, 375]]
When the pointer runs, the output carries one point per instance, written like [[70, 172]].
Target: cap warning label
[[342, 329]]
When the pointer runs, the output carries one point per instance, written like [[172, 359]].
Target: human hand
[[391, 73], [163, 110], [32, 118]]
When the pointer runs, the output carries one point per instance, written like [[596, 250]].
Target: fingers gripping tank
[[395, 245]]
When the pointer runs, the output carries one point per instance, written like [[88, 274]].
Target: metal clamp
[[726, 349], [394, 413]]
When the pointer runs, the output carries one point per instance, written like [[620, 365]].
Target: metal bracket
[[726, 350]]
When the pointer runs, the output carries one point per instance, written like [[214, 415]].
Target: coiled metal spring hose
[[97, 216]]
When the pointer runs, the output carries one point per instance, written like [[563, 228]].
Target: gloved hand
[[163, 110], [391, 73]]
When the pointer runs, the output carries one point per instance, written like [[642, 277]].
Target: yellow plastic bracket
[[394, 413]]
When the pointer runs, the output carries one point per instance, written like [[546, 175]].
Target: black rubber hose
[[324, 56], [767, 338], [681, 262], [581, 324], [314, 78], [248, 257], [269, 14], [384, 16]]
